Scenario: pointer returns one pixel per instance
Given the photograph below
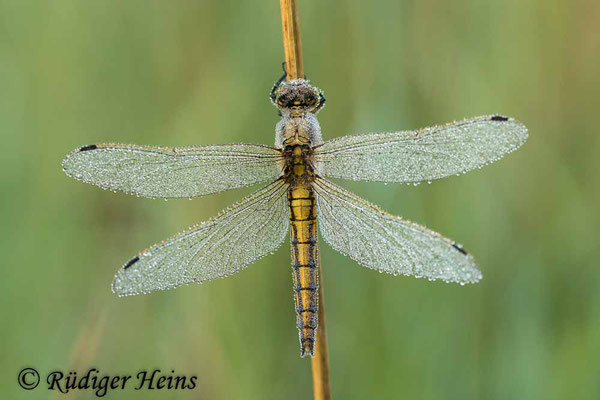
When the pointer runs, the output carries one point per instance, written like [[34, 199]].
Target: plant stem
[[295, 69], [320, 361], [292, 45]]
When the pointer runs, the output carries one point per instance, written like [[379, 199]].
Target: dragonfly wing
[[173, 172], [384, 242], [219, 247], [422, 155]]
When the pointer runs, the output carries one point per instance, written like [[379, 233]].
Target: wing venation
[[384, 242], [161, 172], [421, 155], [240, 235]]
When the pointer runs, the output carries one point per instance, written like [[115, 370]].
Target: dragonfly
[[297, 198]]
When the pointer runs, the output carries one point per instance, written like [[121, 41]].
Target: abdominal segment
[[304, 263]]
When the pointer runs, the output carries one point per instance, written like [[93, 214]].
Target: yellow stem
[[292, 45], [320, 361]]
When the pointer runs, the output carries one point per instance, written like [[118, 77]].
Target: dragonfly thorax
[[298, 102], [298, 130]]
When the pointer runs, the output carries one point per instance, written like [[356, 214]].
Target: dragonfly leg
[[276, 85], [321, 103]]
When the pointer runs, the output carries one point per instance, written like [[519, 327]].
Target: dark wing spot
[[131, 262], [498, 118], [459, 248], [89, 147]]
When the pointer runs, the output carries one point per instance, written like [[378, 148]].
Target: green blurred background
[[198, 72]]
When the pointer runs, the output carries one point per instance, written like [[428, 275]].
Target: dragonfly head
[[297, 96]]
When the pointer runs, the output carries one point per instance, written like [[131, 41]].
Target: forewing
[[384, 242], [422, 155], [173, 172], [240, 235]]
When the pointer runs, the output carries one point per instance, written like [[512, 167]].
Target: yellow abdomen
[[303, 238]]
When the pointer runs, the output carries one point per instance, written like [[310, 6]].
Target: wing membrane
[[173, 172], [213, 249], [380, 241], [422, 155]]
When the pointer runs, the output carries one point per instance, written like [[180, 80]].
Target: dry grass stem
[[291, 39]]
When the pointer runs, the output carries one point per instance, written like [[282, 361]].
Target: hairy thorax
[[296, 136]]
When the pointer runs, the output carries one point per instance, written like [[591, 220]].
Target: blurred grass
[[198, 72]]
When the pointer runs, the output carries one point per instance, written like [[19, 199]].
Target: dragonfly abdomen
[[303, 238]]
